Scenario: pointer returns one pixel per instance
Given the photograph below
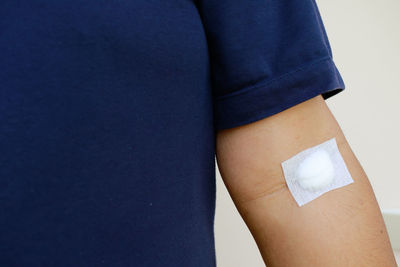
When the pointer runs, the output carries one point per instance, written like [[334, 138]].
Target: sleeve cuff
[[273, 96]]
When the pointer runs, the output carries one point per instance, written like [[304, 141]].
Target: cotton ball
[[316, 171]]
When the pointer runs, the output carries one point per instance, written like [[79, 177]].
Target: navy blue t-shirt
[[109, 111]]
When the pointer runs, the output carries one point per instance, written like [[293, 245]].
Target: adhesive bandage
[[315, 171]]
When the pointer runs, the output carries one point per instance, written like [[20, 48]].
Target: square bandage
[[315, 171]]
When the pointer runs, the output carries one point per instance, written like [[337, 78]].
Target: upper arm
[[271, 69], [261, 146], [343, 227]]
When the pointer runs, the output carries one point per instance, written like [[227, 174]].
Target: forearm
[[343, 227]]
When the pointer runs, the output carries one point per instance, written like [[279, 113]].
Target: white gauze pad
[[315, 171]]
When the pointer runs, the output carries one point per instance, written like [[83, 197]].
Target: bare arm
[[343, 227]]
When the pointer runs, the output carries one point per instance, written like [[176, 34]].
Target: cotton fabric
[[109, 112]]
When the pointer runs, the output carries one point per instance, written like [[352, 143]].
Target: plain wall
[[365, 41]]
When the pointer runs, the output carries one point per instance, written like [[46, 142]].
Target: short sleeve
[[266, 56]]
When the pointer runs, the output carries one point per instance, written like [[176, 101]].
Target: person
[[114, 113]]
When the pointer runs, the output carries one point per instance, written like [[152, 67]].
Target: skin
[[343, 227]]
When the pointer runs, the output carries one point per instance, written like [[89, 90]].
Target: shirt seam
[[245, 90]]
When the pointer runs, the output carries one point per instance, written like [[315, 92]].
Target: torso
[[106, 134]]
